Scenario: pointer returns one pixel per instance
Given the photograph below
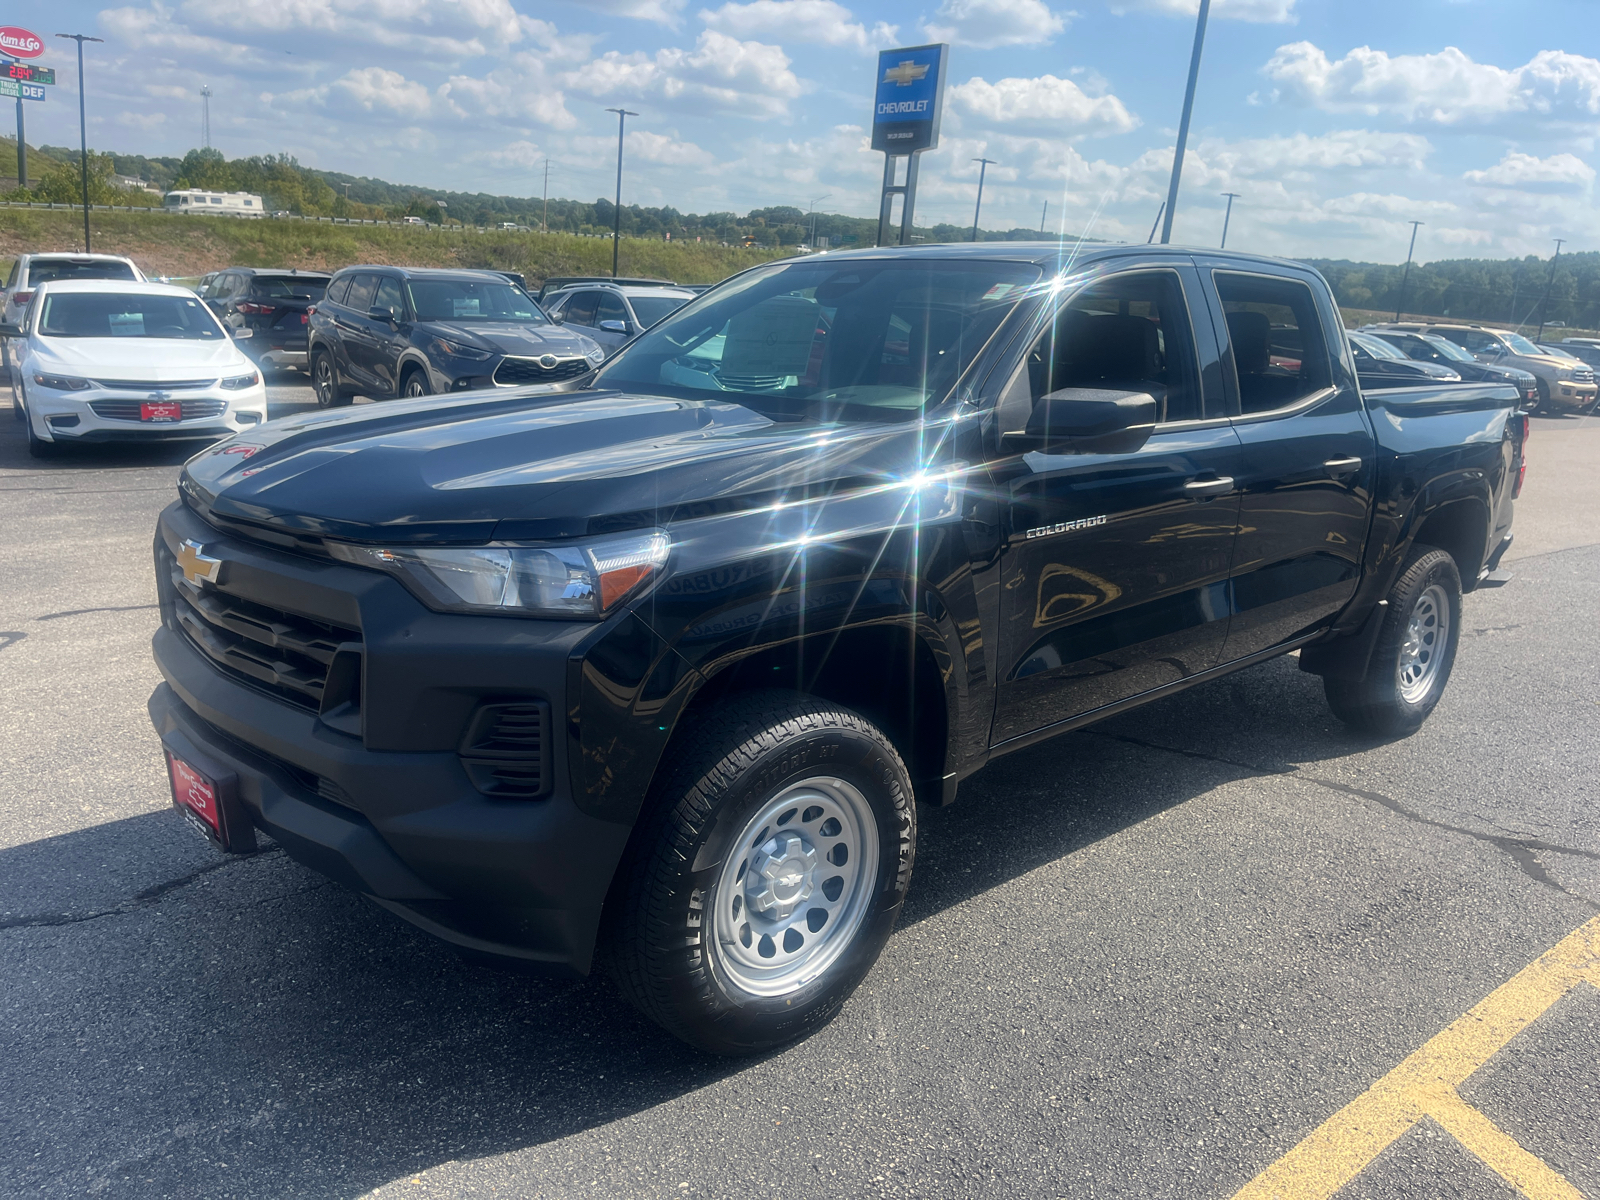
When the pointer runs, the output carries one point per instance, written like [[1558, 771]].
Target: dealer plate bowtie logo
[[547, 361], [196, 564], [905, 74]]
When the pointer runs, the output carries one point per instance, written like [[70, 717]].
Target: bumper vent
[[506, 751], [516, 372], [129, 410], [287, 654]]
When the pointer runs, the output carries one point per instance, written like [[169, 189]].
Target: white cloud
[[1266, 12], [1446, 88], [1045, 101], [1559, 172], [663, 11], [984, 24], [521, 91], [460, 29], [821, 22], [721, 74], [1300, 153], [668, 151], [378, 88], [154, 28]]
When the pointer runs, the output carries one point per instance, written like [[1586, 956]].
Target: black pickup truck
[[648, 670]]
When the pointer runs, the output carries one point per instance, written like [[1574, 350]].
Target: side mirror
[[614, 326], [239, 335], [378, 313], [1088, 421], [11, 331]]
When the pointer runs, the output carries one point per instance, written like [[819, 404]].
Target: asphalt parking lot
[[1167, 956]]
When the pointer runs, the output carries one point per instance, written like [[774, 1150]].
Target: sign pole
[[907, 105], [22, 147]]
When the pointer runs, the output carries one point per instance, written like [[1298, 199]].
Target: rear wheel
[[768, 877], [1416, 650], [325, 382]]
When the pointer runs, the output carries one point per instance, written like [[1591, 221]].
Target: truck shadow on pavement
[[249, 1013]]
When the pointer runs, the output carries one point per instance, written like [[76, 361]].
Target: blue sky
[[1337, 121]]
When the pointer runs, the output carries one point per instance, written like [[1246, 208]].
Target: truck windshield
[[127, 314], [860, 340], [1375, 346], [1520, 344]]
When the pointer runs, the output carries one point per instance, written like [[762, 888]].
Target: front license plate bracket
[[206, 792]]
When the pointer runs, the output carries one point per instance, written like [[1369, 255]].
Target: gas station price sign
[[27, 72]]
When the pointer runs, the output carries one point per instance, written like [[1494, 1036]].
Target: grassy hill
[[185, 247]]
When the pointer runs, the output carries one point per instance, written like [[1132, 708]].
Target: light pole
[[1183, 125], [1226, 217], [813, 211], [205, 116], [83, 129], [544, 224], [1406, 278], [983, 165], [616, 216], [1549, 281]]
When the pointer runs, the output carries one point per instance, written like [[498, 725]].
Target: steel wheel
[[795, 886], [1427, 632]]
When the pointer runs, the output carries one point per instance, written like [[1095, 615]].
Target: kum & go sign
[[20, 43]]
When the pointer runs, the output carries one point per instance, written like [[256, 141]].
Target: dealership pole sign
[[908, 101]]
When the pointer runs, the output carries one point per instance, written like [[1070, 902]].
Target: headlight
[[584, 580], [239, 382], [595, 353], [61, 383], [456, 350]]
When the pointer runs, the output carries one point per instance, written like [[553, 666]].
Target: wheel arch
[[1460, 528]]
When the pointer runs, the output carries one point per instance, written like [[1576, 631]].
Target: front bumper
[[1574, 395], [392, 813], [67, 418]]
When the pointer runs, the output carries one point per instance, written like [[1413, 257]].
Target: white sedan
[[108, 360]]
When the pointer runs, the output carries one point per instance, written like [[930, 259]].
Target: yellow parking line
[[1425, 1084]]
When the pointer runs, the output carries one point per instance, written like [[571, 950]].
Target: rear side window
[[1275, 336], [45, 270], [361, 292], [1472, 339], [610, 308]]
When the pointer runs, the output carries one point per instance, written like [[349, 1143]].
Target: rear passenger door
[[1116, 564], [357, 338], [1307, 456]]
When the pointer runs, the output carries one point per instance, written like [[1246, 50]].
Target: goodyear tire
[[1414, 655], [767, 875]]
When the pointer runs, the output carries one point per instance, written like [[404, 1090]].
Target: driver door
[[1116, 564]]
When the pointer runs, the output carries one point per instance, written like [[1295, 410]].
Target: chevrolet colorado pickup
[[647, 670]]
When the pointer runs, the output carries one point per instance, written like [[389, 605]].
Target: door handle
[[1342, 466], [1209, 487]]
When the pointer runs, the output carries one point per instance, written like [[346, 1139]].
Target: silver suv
[[1563, 383]]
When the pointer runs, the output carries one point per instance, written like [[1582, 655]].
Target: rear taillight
[[22, 297], [256, 310], [1522, 455], [305, 318]]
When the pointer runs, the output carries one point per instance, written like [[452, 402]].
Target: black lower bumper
[[519, 879]]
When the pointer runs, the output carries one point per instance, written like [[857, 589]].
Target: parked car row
[[1561, 380]]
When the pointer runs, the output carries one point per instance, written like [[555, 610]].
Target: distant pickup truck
[[649, 668]]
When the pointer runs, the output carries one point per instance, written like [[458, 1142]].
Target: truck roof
[[1044, 253]]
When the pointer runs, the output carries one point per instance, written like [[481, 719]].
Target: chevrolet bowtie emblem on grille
[[905, 74], [548, 361], [196, 564], [159, 396]]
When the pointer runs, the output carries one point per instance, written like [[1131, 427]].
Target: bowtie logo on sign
[[906, 73], [22, 43]]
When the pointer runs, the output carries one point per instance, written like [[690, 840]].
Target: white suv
[[30, 270]]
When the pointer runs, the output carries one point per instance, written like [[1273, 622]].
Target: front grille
[[129, 410], [514, 372], [752, 383], [282, 651], [506, 750], [155, 385], [1583, 375]]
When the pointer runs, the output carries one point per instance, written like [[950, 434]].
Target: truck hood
[[539, 464]]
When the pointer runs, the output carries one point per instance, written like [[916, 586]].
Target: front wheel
[[1415, 652], [415, 384], [769, 875]]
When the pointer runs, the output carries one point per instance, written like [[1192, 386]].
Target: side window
[[362, 290], [1127, 333], [552, 308], [389, 295], [610, 308], [339, 289], [11, 280], [580, 309], [1276, 339], [1472, 340]]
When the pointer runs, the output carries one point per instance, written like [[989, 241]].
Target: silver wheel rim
[[414, 387], [795, 886], [1422, 652], [324, 381]]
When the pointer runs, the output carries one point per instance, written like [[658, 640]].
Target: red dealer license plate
[[160, 410], [195, 795]]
